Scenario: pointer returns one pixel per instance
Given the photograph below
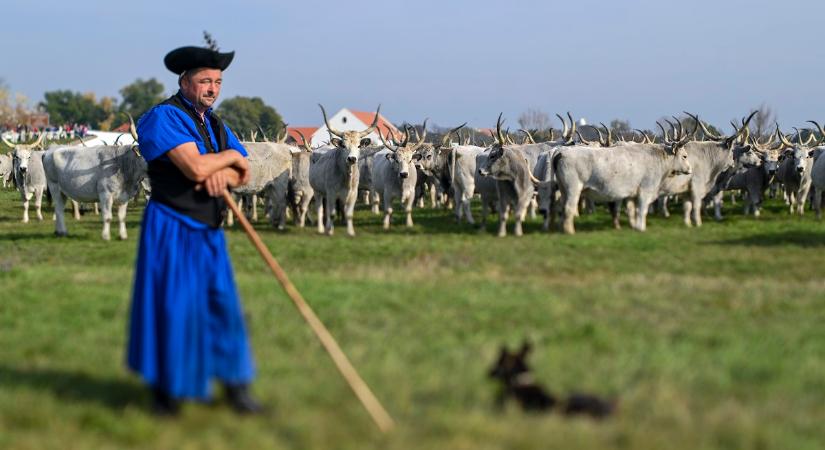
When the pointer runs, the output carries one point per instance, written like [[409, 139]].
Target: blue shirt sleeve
[[233, 142], [163, 128]]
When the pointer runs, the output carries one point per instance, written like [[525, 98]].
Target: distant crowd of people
[[25, 133]]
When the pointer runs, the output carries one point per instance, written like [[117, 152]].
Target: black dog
[[512, 371]]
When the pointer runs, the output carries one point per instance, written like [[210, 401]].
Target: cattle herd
[[559, 178]]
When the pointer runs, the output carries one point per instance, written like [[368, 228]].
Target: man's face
[[202, 87]]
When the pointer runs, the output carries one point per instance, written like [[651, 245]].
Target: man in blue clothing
[[187, 325]]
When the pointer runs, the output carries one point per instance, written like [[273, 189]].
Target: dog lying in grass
[[517, 381]]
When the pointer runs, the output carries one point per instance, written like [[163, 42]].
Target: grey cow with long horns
[[395, 175], [334, 174]]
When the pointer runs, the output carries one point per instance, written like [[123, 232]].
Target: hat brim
[[182, 59]]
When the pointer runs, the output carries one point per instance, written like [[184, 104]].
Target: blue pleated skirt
[[186, 324]]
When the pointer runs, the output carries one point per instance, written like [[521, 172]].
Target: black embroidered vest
[[171, 187]]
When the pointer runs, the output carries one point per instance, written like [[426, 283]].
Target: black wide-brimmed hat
[[182, 59]]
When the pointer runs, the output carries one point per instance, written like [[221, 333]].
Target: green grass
[[710, 338]]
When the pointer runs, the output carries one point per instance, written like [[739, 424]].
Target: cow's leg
[[319, 203], [533, 207], [230, 216], [376, 202], [503, 213], [642, 207], [465, 202], [329, 205], [38, 202], [121, 220], [662, 205], [630, 206], [26, 197], [303, 207], [687, 209], [697, 210], [520, 214], [717, 206], [408, 203], [349, 211], [254, 207], [59, 212], [387, 210], [75, 208], [106, 211], [571, 203], [432, 191], [366, 197], [615, 212], [97, 208], [818, 203]]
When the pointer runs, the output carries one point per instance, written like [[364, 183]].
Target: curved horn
[[609, 142], [798, 136], [810, 138], [305, 142], [117, 139], [582, 139], [500, 136], [528, 136], [373, 125], [9, 144], [783, 139], [281, 139], [448, 137], [423, 135], [665, 138], [564, 124], [261, 130], [572, 126], [676, 136], [681, 128], [389, 146], [819, 128], [329, 127], [705, 130]]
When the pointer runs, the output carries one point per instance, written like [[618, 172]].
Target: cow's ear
[[337, 142], [366, 142], [388, 156], [811, 154]]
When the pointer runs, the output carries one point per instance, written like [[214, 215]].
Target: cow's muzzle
[[403, 174], [772, 172], [351, 159], [483, 172], [800, 170]]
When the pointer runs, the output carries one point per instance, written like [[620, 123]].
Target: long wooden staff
[[362, 391]]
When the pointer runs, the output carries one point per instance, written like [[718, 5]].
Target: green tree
[[65, 106], [141, 95], [245, 114]]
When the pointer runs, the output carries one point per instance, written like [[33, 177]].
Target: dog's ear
[[526, 346]]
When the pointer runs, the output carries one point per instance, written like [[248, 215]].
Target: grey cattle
[[107, 174], [754, 179], [27, 165], [6, 170], [300, 190], [270, 166], [334, 175], [395, 175], [513, 175], [708, 161], [457, 168], [818, 180], [794, 172], [632, 171]]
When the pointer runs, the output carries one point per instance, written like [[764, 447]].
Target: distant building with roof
[[343, 120]]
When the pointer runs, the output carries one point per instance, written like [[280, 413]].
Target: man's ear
[[337, 142]]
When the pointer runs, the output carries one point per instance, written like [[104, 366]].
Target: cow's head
[[351, 142], [22, 153], [680, 165], [402, 156]]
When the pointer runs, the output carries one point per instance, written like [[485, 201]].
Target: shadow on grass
[[74, 386], [779, 239], [34, 235]]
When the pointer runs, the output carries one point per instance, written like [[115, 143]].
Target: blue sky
[[451, 61]]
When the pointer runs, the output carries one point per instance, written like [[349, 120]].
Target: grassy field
[[710, 338]]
